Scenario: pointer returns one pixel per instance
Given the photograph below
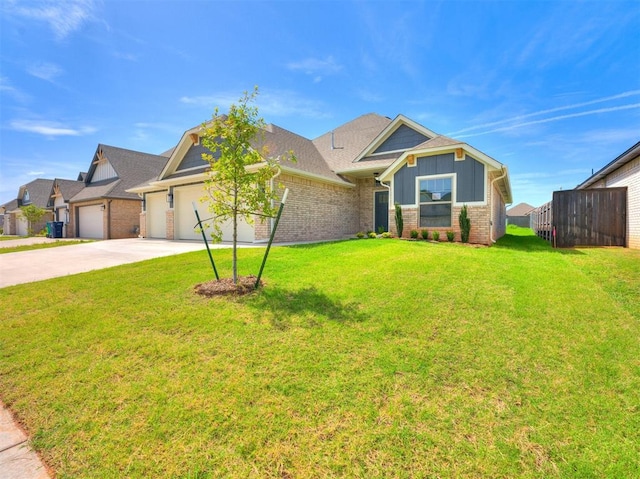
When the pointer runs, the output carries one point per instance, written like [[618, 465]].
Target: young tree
[[234, 188], [32, 214], [465, 224]]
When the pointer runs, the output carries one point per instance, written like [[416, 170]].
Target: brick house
[[62, 192], [103, 208], [342, 182], [36, 192], [623, 171]]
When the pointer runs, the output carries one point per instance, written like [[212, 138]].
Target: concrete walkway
[[41, 264], [17, 460]]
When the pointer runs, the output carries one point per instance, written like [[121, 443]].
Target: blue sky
[[551, 89]]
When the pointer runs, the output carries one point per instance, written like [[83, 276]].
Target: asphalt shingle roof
[[132, 168], [69, 188], [521, 209], [344, 144]]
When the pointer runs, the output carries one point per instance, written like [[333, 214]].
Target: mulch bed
[[226, 287]]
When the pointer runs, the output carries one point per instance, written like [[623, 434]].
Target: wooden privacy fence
[[592, 217], [541, 221]]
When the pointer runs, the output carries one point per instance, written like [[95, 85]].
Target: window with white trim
[[435, 202]]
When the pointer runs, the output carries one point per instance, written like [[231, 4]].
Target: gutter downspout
[[504, 173]]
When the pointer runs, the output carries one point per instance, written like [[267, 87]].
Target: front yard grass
[[380, 358], [29, 247]]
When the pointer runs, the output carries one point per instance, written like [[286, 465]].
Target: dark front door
[[381, 213]]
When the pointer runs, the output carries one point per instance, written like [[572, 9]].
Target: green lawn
[[29, 247], [363, 358]]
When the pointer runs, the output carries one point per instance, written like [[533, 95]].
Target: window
[[435, 202]]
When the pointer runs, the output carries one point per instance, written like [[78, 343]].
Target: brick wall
[[124, 218], [314, 211], [171, 232], [143, 224], [121, 218]]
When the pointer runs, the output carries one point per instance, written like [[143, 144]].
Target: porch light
[[102, 207], [169, 197]]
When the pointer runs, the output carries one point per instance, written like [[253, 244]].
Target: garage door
[[22, 225], [156, 207], [185, 218], [90, 222]]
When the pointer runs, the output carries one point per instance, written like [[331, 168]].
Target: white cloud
[[270, 103], [549, 110], [45, 71], [35, 173], [317, 68], [555, 118], [6, 88], [49, 128], [63, 16]]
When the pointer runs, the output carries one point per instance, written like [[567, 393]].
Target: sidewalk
[[17, 459]]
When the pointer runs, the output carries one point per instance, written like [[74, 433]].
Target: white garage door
[[156, 207], [90, 222], [185, 219], [22, 225]]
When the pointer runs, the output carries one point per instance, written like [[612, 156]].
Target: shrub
[[414, 234], [399, 221], [450, 236], [380, 230], [436, 236], [360, 234], [425, 234], [465, 224], [386, 234], [371, 234]]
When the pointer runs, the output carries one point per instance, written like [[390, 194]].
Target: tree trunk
[[234, 261]]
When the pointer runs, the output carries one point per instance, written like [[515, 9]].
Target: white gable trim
[[181, 149], [389, 130]]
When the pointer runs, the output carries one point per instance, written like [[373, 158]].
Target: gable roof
[[341, 146], [368, 144], [521, 209], [68, 188], [278, 141], [39, 195], [131, 167], [631, 154]]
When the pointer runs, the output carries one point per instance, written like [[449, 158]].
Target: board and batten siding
[[193, 158], [469, 173], [403, 138], [104, 171]]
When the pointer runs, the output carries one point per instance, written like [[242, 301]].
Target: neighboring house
[[520, 215], [623, 171], [341, 184], [38, 193], [103, 208], [61, 193]]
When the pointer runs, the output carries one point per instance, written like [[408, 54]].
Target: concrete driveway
[[37, 265]]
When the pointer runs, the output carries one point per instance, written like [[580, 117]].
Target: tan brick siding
[[121, 218], [314, 211], [628, 175], [143, 224]]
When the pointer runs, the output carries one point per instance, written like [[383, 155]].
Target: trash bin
[[56, 230], [49, 228]]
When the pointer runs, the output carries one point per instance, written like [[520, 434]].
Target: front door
[[381, 214]]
